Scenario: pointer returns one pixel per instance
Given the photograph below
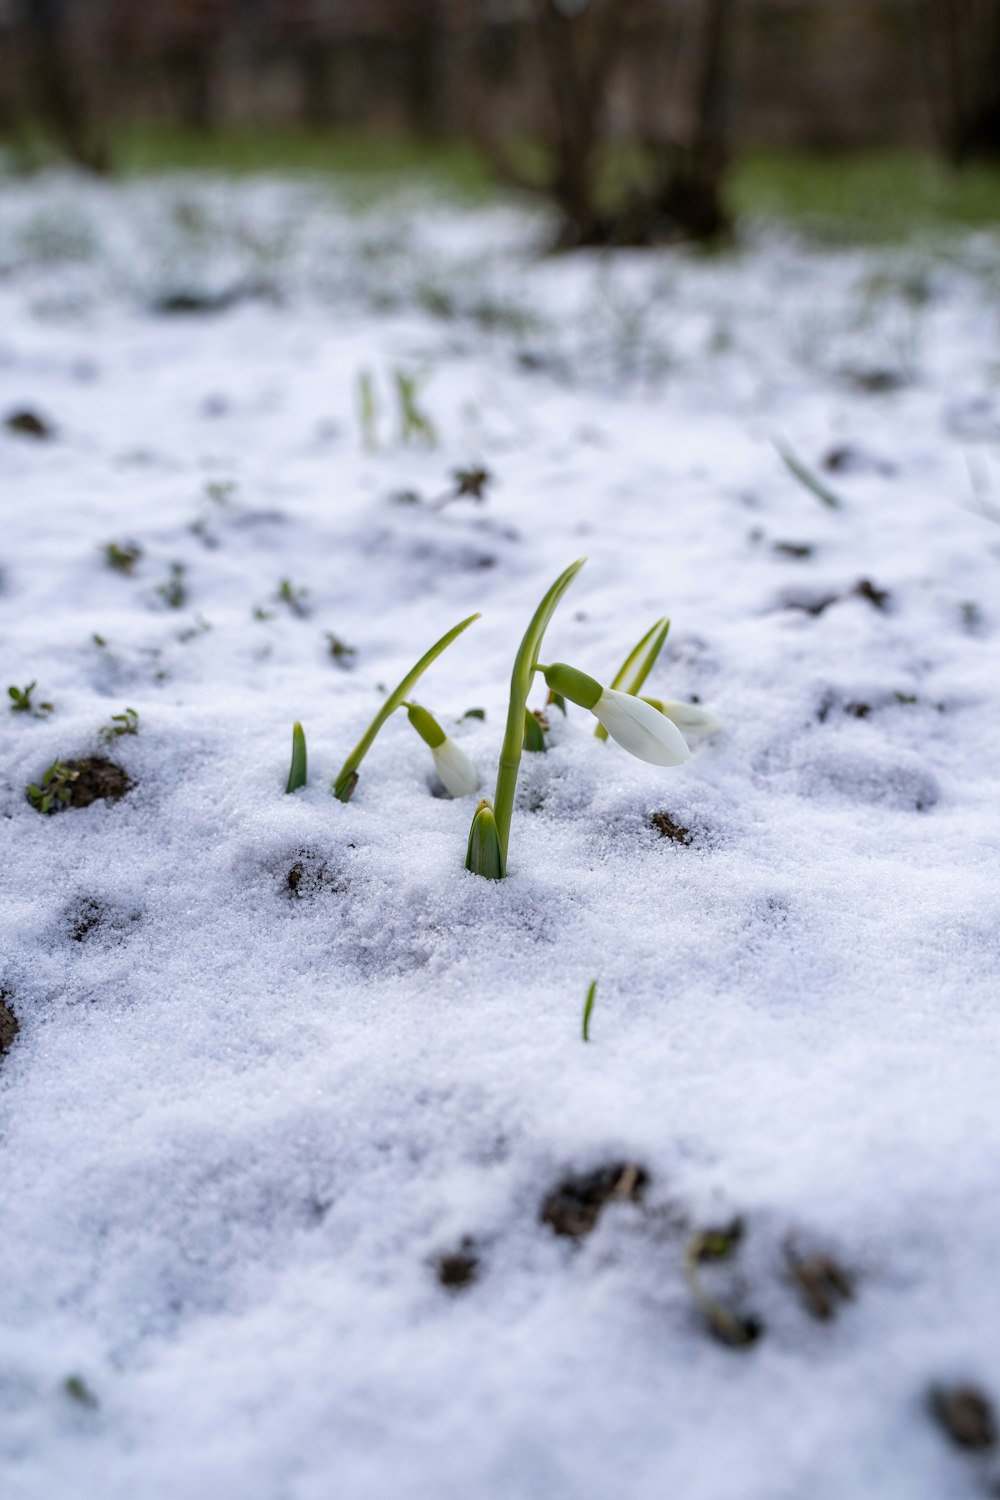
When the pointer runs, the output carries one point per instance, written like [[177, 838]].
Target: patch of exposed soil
[[574, 1207], [96, 780], [459, 1268], [966, 1415], [663, 824], [9, 1024], [821, 1281]]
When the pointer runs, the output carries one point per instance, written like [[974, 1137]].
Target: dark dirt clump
[[966, 1415], [28, 424], [308, 874], [9, 1024], [821, 1281], [96, 780], [459, 1268], [663, 824], [574, 1207], [865, 589]]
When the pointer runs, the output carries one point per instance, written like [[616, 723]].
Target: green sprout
[[588, 1006], [340, 650], [294, 597], [297, 772], [414, 425], [735, 1329], [490, 835], [637, 665], [535, 725], [55, 788], [124, 723], [347, 778], [368, 410], [173, 592], [122, 559], [806, 477], [21, 702]]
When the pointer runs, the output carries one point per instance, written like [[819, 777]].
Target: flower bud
[[484, 856], [640, 729]]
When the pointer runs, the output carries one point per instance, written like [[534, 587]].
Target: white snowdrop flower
[[690, 718], [636, 725], [454, 767]]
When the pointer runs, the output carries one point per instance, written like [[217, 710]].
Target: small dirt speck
[[821, 1281], [574, 1207], [799, 551], [458, 1269], [663, 824], [966, 1415], [9, 1024], [28, 424], [865, 589]]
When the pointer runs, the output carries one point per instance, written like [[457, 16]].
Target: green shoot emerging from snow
[[806, 477], [347, 778], [21, 702], [490, 835], [126, 723], [55, 787], [297, 771], [414, 425], [588, 1006], [367, 411]]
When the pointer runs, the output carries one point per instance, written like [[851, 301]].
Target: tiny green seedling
[[77, 1389], [297, 771], [368, 411], [713, 1245], [21, 702], [341, 652], [294, 597], [122, 559], [588, 1006], [347, 778], [123, 723], [467, 484], [220, 491], [414, 424], [56, 787], [174, 592], [806, 477]]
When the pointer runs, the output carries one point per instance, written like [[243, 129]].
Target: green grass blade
[[638, 664], [806, 477], [347, 779], [588, 1006]]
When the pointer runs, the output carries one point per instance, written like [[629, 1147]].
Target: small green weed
[[122, 558], [55, 788], [124, 723], [21, 702]]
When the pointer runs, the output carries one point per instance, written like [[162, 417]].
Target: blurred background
[[640, 121]]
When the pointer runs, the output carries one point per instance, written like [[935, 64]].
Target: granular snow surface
[[245, 1116]]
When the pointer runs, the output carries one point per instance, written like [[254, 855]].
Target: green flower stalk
[[638, 664], [490, 835], [347, 778], [297, 771]]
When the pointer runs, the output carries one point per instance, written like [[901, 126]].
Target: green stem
[[638, 664], [525, 664], [348, 777]]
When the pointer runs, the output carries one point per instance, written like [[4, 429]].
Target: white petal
[[641, 729], [691, 719], [455, 769]]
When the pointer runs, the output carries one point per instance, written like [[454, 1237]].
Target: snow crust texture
[[289, 1089]]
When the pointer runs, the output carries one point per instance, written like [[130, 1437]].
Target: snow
[[237, 1127]]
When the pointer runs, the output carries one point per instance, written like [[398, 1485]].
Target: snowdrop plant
[[347, 778], [297, 769], [636, 725], [690, 718], [454, 767]]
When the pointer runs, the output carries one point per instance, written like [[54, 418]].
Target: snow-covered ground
[[241, 1123]]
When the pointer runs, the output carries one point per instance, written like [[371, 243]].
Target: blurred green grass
[[857, 197]]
